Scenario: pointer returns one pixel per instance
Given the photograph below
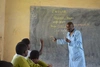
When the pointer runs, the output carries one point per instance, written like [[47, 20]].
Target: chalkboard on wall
[[46, 22]]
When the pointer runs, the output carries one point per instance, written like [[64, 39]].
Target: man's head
[[21, 49], [70, 26], [34, 56], [5, 64], [27, 42]]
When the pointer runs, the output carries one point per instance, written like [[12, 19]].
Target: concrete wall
[[2, 23]]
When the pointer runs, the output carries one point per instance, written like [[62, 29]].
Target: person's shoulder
[[19, 58], [14, 56], [77, 31]]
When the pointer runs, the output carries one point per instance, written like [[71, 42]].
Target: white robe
[[76, 52]]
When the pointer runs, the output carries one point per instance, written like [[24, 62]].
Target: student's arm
[[32, 64], [42, 63], [36, 65], [41, 43]]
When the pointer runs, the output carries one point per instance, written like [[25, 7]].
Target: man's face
[[69, 27]]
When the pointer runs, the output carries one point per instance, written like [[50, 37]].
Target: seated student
[[33, 60], [19, 60], [27, 42], [5, 64]]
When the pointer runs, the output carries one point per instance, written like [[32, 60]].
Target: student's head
[[34, 55], [70, 26], [27, 42], [5, 64], [21, 49]]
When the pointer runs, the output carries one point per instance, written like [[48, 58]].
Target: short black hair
[[34, 54], [26, 41], [70, 23], [21, 48], [5, 64]]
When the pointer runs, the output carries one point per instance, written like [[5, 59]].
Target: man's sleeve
[[32, 64], [61, 42]]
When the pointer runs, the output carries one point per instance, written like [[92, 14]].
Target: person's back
[[19, 60], [5, 64]]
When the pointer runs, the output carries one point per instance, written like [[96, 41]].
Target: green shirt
[[19, 61], [43, 64], [31, 63]]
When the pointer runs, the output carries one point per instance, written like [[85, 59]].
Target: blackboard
[[46, 22]]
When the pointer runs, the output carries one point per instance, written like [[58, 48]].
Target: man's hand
[[67, 40], [54, 39]]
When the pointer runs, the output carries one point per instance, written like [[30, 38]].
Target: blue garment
[[76, 52]]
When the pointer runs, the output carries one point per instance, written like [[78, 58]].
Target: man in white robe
[[74, 41]]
